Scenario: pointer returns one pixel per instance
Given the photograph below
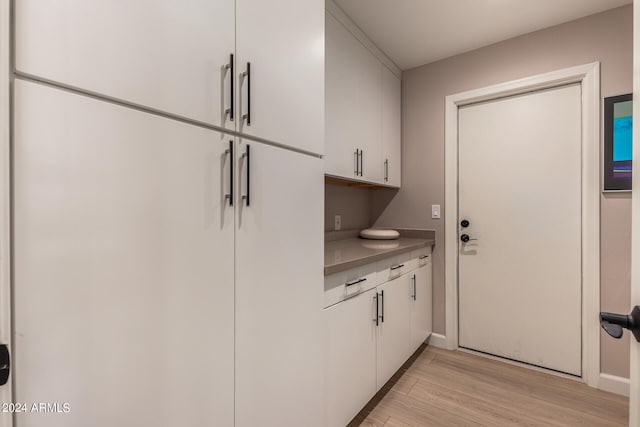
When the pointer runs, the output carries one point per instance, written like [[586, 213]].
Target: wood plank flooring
[[455, 388]]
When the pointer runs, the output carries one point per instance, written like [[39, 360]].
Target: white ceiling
[[416, 32]]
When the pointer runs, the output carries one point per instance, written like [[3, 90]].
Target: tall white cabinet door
[[283, 40], [279, 288], [353, 105], [164, 54], [394, 330], [350, 337], [421, 305], [391, 127], [123, 258]]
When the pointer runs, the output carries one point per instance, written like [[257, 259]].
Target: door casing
[[588, 76]]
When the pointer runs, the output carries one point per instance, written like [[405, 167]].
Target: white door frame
[[588, 76], [5, 193]]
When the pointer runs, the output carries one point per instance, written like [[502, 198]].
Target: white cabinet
[[279, 253], [350, 339], [163, 54], [131, 265], [353, 107], [284, 42], [391, 127], [394, 329], [421, 305], [124, 265], [176, 57], [363, 353], [362, 111]]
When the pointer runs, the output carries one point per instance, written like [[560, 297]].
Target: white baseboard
[[438, 340], [614, 384]]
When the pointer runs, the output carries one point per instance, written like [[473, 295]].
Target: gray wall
[[351, 203], [605, 37]]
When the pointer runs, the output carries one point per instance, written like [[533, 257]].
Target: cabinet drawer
[[422, 256], [393, 267], [348, 283]]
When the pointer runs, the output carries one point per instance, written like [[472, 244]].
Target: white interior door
[[123, 279], [279, 288], [520, 189], [5, 200]]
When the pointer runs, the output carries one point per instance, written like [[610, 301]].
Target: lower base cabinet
[[421, 303], [394, 328], [350, 337], [369, 336]]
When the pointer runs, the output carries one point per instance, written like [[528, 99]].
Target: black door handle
[[5, 364], [464, 238], [613, 323]]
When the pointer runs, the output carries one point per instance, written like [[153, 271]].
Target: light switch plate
[[337, 223], [435, 211]]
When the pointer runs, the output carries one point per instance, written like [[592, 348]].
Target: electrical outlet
[[435, 211], [337, 223]]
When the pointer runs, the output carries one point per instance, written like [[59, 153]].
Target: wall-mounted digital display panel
[[618, 143]]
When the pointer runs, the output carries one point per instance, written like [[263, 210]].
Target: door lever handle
[[5, 364], [614, 323]]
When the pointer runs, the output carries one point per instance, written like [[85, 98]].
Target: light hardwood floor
[[456, 388]]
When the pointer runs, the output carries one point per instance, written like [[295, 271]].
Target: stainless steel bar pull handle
[[229, 153], [230, 111], [247, 157], [386, 170], [382, 311], [415, 290], [356, 167], [397, 267], [247, 75], [361, 162]]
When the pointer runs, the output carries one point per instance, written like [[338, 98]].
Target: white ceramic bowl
[[378, 234]]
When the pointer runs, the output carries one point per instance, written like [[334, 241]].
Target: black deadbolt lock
[[5, 364], [464, 223], [613, 323], [464, 238]]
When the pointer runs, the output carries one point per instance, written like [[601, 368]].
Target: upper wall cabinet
[[391, 127], [181, 58], [353, 106], [163, 54], [362, 111], [283, 40]]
